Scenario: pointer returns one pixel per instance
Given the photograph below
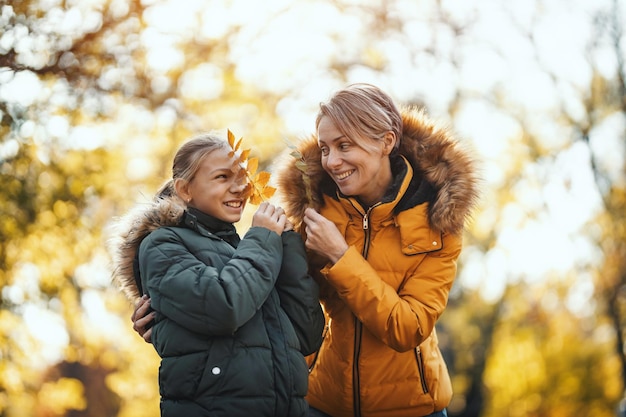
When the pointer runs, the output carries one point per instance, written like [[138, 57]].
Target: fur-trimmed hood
[[128, 232], [434, 154]]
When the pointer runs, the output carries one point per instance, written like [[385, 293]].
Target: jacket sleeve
[[401, 319], [299, 294], [201, 297]]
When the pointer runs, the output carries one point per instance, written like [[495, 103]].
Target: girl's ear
[[182, 189], [389, 141]]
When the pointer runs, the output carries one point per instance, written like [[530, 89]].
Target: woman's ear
[[182, 189], [389, 142]]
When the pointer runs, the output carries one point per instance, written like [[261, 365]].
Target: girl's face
[[217, 188], [357, 171]]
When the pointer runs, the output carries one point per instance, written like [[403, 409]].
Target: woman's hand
[[323, 237], [143, 318], [270, 217]]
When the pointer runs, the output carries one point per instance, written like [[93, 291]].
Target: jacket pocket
[[419, 358], [179, 376], [436, 374]]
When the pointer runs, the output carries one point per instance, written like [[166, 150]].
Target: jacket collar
[[204, 223]]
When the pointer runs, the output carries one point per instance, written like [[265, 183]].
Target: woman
[[232, 317], [390, 195]]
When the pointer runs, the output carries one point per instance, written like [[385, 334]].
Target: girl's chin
[[231, 216], [234, 217]]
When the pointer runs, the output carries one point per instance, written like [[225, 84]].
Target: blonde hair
[[362, 111], [188, 159]]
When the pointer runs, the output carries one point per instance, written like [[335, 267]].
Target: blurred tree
[[539, 366], [550, 353], [95, 96], [77, 81], [605, 103]]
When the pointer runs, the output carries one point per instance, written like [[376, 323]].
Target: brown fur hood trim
[[128, 232], [434, 154]]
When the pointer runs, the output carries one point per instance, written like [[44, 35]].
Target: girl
[[232, 318]]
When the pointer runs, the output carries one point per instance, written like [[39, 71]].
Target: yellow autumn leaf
[[262, 178], [231, 139], [244, 155], [255, 199], [247, 191], [239, 172], [234, 144], [256, 190], [268, 192], [253, 165]]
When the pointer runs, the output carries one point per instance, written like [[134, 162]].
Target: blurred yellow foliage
[[62, 395], [525, 354]]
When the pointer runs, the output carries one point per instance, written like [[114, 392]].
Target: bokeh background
[[95, 96]]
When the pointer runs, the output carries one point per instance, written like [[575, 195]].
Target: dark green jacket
[[233, 323]]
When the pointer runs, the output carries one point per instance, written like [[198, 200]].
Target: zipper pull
[[366, 220]]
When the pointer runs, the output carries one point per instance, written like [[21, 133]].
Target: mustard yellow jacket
[[380, 356]]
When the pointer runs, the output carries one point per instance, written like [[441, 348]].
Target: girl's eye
[[344, 146], [324, 150]]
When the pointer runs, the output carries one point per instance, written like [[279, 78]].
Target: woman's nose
[[333, 160]]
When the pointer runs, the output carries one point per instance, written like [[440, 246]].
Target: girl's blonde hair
[[188, 159], [362, 111]]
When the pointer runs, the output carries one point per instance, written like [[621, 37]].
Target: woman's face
[[357, 171], [217, 188]]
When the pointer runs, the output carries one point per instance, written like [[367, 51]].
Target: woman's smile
[[344, 175]]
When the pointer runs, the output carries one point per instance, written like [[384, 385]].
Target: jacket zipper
[[356, 380], [366, 229], [420, 368], [358, 326]]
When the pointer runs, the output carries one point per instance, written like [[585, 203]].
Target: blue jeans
[[314, 412]]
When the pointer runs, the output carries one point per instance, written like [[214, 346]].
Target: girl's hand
[[323, 237], [270, 217]]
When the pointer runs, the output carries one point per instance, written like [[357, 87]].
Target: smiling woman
[[394, 191]]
